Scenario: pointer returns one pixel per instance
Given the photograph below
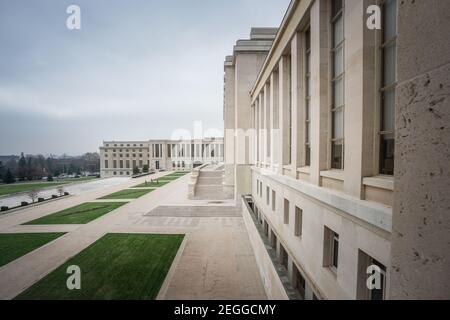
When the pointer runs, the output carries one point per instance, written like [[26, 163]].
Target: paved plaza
[[214, 262]]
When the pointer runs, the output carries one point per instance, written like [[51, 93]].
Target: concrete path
[[217, 254]]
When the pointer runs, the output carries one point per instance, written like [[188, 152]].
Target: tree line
[[36, 167]]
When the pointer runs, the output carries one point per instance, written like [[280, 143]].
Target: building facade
[[315, 132], [122, 158]]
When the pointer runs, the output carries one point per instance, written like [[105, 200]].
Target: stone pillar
[[298, 102], [420, 256], [320, 106], [275, 125], [267, 126], [283, 70], [359, 98], [229, 126]]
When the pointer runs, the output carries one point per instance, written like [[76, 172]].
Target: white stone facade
[[119, 158], [310, 129]]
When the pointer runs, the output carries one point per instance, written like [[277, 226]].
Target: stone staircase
[[209, 185], [196, 211]]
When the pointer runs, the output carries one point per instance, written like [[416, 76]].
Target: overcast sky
[[137, 69]]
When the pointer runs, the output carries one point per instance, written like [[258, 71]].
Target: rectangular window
[[308, 98], [388, 83], [331, 249], [337, 85], [127, 164], [121, 164], [286, 211], [298, 221], [169, 151], [274, 197], [283, 256], [267, 195], [106, 164], [299, 282], [289, 84], [370, 267], [257, 186], [260, 189], [140, 163], [114, 163]]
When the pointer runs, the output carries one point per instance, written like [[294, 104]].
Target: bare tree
[[60, 190], [33, 194]]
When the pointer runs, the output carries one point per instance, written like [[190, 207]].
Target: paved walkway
[[216, 262]]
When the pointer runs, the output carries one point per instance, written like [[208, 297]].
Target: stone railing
[[194, 179]]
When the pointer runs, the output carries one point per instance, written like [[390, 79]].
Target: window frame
[[383, 88], [333, 80]]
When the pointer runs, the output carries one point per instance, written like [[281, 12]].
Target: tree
[[145, 168], [2, 170], [8, 178], [33, 194], [22, 169], [135, 170], [50, 177]]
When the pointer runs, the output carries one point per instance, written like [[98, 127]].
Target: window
[[257, 186], [298, 221], [127, 164], [299, 282], [273, 240], [140, 163], [106, 164], [274, 197], [283, 256], [169, 150], [267, 195], [289, 84], [286, 211], [368, 267], [308, 98], [388, 83], [121, 164], [114, 163], [337, 85], [331, 249]]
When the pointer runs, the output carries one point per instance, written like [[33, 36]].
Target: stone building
[[337, 136], [119, 158]]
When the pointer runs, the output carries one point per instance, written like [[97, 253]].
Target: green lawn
[[116, 267], [169, 177], [80, 214], [152, 184], [15, 245], [6, 189], [127, 194]]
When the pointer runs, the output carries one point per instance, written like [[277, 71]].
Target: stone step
[[212, 192], [195, 211], [209, 180], [217, 174]]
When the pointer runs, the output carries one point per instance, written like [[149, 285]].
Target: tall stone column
[[420, 257], [274, 100], [298, 102], [320, 106], [283, 84]]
